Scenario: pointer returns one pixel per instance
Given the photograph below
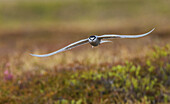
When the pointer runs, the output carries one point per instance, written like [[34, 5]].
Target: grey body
[[94, 41]]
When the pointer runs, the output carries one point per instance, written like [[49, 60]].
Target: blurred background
[[42, 26], [29, 25]]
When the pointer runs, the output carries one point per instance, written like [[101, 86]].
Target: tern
[[94, 41]]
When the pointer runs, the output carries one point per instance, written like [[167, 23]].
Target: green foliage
[[130, 82]]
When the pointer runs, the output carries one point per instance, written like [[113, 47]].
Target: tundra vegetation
[[125, 71]]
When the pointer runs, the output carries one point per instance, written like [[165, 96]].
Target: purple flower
[[8, 75]]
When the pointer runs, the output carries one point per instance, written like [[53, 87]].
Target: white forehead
[[92, 37]]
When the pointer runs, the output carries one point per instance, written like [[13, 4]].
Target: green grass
[[135, 81]]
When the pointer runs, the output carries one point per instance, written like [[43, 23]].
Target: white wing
[[123, 36], [78, 43]]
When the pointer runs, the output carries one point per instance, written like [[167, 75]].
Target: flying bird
[[94, 41]]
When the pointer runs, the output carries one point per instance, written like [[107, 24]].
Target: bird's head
[[92, 38]]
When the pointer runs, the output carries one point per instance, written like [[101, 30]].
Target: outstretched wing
[[123, 36], [78, 43]]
